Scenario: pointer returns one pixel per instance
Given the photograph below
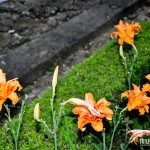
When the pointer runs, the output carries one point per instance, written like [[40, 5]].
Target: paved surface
[[31, 60]]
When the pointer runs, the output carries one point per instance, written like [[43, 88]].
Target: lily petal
[[146, 88], [98, 126], [90, 99], [147, 76], [82, 121], [79, 109], [13, 97], [2, 77], [1, 103], [80, 102]]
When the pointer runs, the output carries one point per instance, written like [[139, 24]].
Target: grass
[[101, 74]]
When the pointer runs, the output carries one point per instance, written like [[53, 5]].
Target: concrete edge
[[31, 60]]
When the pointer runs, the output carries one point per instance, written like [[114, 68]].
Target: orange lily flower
[[146, 87], [137, 133], [126, 32], [137, 99], [7, 89], [91, 112]]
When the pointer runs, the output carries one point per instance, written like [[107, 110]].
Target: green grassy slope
[[102, 74]]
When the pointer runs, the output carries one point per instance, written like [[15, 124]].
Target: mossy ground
[[101, 74]]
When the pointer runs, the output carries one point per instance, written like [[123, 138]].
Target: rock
[[147, 11], [16, 39], [6, 24], [31, 59], [52, 21], [114, 6], [11, 31], [33, 20], [4, 40], [62, 16], [132, 16], [14, 16]]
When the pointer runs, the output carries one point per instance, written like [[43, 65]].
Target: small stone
[[11, 31], [125, 18], [52, 21], [3, 62], [147, 11], [114, 6], [15, 16], [25, 13], [132, 16], [108, 17]]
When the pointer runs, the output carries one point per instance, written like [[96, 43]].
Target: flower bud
[[55, 76], [37, 111], [121, 51]]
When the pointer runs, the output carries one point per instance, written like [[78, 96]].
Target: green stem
[[55, 140], [129, 72], [11, 126], [11, 123], [132, 66], [126, 143], [60, 113], [115, 127], [126, 71], [112, 138], [104, 140], [55, 131], [48, 129], [56, 126], [21, 116], [54, 121], [52, 100]]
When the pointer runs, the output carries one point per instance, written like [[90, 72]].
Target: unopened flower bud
[[121, 51], [55, 76], [37, 111]]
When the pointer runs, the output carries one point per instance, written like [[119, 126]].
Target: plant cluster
[[90, 112]]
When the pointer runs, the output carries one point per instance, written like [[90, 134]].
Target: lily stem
[[54, 121], [129, 72], [12, 124], [115, 127], [104, 139]]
